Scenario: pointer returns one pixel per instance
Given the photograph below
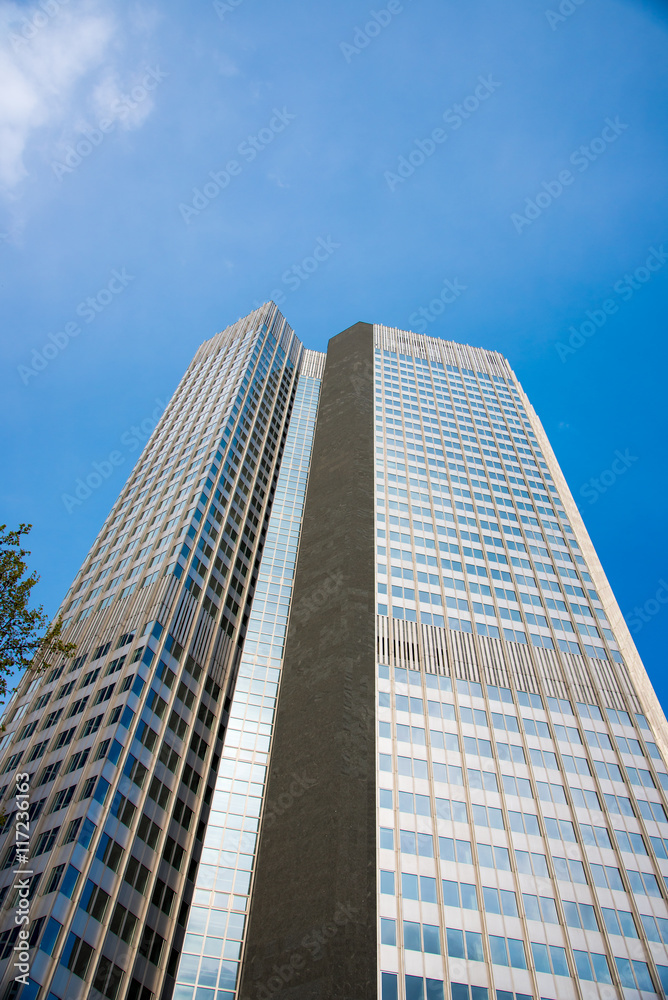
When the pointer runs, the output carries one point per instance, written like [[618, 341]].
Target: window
[[634, 975], [607, 877], [459, 894], [502, 901], [561, 829], [421, 844], [77, 707], [595, 836], [454, 850], [37, 751], [151, 945], [592, 966], [461, 991], [521, 822], [585, 798], [89, 678], [550, 959], [580, 915], [532, 863], [519, 787], [621, 922], [77, 760], [493, 857], [463, 944], [62, 798], [94, 900], [551, 792], [136, 875], [104, 694], [115, 665], [623, 806], [52, 718], [87, 788], [508, 951], [632, 843], [483, 779], [49, 773], [109, 852], [424, 937], [505, 722], [536, 728], [123, 923], [50, 936], [45, 841], [72, 830], [76, 956], [64, 739], [486, 816], [54, 879], [44, 698], [27, 730], [541, 908]]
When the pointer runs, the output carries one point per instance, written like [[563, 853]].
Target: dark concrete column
[[312, 930]]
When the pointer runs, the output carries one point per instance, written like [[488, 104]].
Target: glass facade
[[521, 792], [516, 752], [216, 923]]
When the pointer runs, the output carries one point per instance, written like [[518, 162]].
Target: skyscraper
[[353, 711]]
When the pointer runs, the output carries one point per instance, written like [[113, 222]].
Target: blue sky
[[304, 113]]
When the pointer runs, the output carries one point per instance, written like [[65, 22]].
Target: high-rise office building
[[353, 711]]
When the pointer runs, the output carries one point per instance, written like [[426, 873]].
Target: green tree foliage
[[27, 638]]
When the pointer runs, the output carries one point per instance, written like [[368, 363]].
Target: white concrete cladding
[[522, 813]]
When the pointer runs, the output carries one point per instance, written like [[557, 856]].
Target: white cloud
[[59, 74]]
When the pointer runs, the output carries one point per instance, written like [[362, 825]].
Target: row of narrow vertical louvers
[[471, 657]]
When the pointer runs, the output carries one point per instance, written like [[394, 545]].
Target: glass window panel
[[450, 893], [412, 937], [432, 939], [409, 886], [498, 949], [455, 942], [588, 915], [516, 952], [583, 965], [474, 946], [540, 957], [532, 909], [469, 896], [388, 931], [559, 963]]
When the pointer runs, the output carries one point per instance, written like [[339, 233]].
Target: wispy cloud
[[60, 70]]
